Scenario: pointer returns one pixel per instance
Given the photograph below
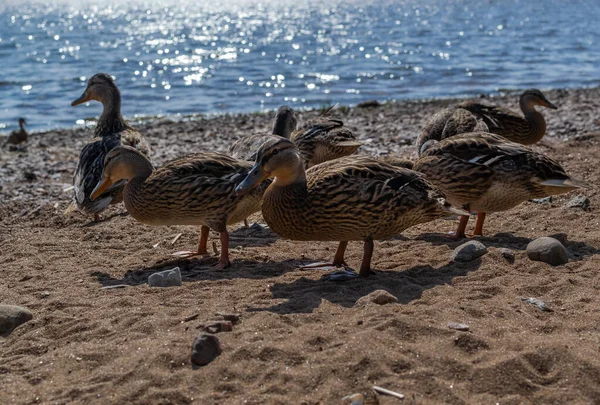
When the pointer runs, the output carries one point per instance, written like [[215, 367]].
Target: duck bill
[[253, 179], [102, 186], [85, 97], [548, 104]]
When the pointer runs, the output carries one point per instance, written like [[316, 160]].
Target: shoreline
[[499, 94]]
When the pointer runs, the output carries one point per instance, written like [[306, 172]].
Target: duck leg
[[462, 225], [338, 259], [202, 242], [479, 224], [246, 223], [224, 259], [365, 267]]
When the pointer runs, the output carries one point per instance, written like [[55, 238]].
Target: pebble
[[233, 318], [369, 104], [508, 254], [579, 201], [12, 316], [166, 278], [379, 297], [458, 326], [205, 349], [545, 200], [548, 250], [538, 303], [469, 251], [218, 326]]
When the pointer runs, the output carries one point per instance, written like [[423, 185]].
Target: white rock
[[166, 278]]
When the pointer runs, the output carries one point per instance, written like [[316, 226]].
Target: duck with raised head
[[197, 189], [323, 139], [18, 136], [285, 123], [483, 172], [346, 199], [111, 131], [471, 116]]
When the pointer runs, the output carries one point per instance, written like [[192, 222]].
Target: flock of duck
[[309, 184]]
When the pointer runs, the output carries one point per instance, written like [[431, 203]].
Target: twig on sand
[[176, 238], [388, 392]]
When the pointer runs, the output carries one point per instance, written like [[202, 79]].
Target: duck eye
[[276, 151]]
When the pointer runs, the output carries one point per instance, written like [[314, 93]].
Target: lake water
[[183, 57]]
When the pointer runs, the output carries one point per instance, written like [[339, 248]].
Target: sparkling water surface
[[185, 57]]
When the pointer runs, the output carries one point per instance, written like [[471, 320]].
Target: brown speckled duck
[[111, 131], [324, 139], [197, 189], [285, 123], [470, 116], [18, 136], [484, 172], [350, 198]]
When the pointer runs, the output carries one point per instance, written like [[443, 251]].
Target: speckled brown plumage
[[111, 131], [324, 139], [485, 173], [350, 198], [470, 116], [196, 189]]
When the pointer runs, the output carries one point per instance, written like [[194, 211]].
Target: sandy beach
[[299, 340]]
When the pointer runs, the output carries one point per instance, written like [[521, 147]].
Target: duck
[[111, 131], [484, 172], [471, 116], [352, 198], [285, 123], [324, 138], [18, 136], [196, 189]]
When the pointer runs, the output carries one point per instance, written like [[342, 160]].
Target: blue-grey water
[[201, 56]]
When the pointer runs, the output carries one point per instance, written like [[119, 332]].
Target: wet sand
[[300, 340]]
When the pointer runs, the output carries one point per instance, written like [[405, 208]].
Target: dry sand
[[300, 340]]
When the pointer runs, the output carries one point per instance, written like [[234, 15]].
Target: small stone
[[218, 326], [508, 254], [548, 250], [115, 286], [12, 316], [44, 294], [205, 349], [166, 278], [458, 326], [379, 297], [538, 303], [233, 318], [579, 201], [469, 251], [546, 200], [257, 227]]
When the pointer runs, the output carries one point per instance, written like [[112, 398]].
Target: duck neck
[[133, 192], [21, 126], [111, 121], [282, 128], [536, 121]]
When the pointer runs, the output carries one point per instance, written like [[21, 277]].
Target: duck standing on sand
[[471, 116], [111, 131], [17, 136], [350, 198], [484, 172], [197, 189]]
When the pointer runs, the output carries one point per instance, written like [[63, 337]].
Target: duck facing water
[[18, 136], [111, 131], [350, 198], [196, 189]]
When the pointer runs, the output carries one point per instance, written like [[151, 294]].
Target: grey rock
[[579, 201], [12, 316], [548, 250], [469, 251], [538, 303], [508, 254], [545, 200], [205, 349], [166, 278], [379, 297], [458, 326]]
